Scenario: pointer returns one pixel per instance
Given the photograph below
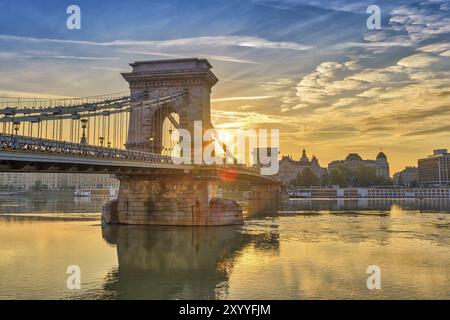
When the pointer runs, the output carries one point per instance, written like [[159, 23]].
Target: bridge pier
[[171, 201], [263, 199]]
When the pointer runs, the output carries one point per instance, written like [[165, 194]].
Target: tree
[[38, 186], [338, 177], [298, 181], [324, 180], [365, 176], [380, 181], [309, 178]]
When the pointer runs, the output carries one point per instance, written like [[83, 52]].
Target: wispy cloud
[[205, 55], [11, 94], [216, 41], [242, 98], [14, 55], [438, 130]]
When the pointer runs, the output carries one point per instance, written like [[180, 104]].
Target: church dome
[[353, 157], [382, 156], [304, 158]]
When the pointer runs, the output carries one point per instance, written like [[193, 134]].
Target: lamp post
[[152, 147], [101, 139], [169, 149], [16, 126], [83, 126]]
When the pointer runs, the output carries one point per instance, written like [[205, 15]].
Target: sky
[[310, 68]]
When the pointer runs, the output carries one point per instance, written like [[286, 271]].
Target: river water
[[305, 249]]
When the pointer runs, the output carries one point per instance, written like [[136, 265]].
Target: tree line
[[361, 176]]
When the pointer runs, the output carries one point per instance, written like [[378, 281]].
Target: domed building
[[353, 157], [289, 168], [354, 160]]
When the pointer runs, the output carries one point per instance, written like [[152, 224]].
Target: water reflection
[[175, 262], [303, 249], [383, 205], [50, 203]]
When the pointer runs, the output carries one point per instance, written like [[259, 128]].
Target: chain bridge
[[129, 135]]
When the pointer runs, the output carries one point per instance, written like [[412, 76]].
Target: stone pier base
[[171, 201], [263, 199]]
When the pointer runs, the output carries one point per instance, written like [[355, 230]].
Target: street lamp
[[16, 126], [151, 144], [101, 139], [84, 126]]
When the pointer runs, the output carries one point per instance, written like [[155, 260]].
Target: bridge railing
[[22, 143], [18, 143], [42, 103]]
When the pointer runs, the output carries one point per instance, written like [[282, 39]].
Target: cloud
[[73, 58], [171, 55], [408, 25], [14, 55], [417, 61], [420, 22], [438, 130], [338, 5], [242, 98], [249, 119], [435, 47], [31, 95], [208, 41], [384, 44]]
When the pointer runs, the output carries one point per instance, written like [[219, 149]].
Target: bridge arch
[[167, 77], [165, 122]]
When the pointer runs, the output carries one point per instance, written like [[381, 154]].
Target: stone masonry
[[171, 201]]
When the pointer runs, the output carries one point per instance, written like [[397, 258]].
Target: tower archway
[[166, 77]]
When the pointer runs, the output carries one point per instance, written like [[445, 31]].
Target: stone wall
[[171, 201]]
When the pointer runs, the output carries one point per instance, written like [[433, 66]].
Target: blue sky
[[308, 67]]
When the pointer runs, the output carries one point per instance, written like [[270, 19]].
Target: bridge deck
[[25, 154]]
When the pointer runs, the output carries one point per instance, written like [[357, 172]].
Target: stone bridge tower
[[164, 77], [168, 196]]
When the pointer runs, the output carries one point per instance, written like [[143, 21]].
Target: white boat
[[81, 193]]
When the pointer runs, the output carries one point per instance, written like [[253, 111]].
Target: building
[[88, 181], [407, 177], [290, 168], [57, 181], [371, 193], [354, 160], [434, 169], [13, 180]]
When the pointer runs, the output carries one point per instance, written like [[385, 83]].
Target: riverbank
[[392, 192], [55, 193]]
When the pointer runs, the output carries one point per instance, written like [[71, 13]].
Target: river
[[305, 249]]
